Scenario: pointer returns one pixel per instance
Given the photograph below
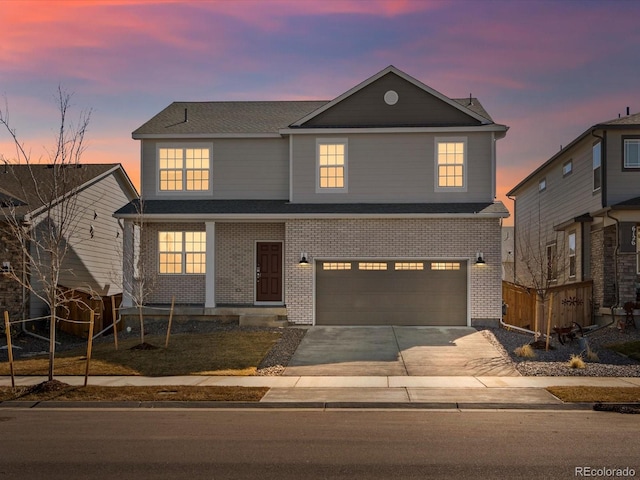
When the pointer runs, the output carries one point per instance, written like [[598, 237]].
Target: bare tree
[[138, 279], [542, 264], [44, 214]]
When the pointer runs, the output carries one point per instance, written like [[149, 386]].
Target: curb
[[52, 404]]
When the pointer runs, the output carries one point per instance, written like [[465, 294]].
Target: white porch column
[[210, 276]]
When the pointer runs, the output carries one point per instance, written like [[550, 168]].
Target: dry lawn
[[597, 394], [220, 353]]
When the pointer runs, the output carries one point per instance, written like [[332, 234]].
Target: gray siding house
[[368, 209], [32, 195], [584, 205]]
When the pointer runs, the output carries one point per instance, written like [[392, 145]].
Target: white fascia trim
[[344, 131], [157, 136], [281, 217]]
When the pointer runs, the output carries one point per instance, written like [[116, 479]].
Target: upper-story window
[[597, 166], [451, 162], [567, 168], [631, 153], [331, 165], [184, 169]]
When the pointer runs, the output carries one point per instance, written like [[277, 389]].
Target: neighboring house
[[368, 209], [91, 194], [581, 209], [508, 248]]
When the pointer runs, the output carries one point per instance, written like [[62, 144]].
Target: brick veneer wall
[[10, 290], [395, 238], [603, 253], [235, 262], [235, 258]]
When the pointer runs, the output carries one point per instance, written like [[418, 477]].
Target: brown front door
[[269, 272]]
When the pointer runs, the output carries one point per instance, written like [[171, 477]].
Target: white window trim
[[626, 166], [567, 168], [332, 141], [465, 163], [593, 167], [184, 192]]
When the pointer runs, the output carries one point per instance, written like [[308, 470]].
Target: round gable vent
[[391, 97]]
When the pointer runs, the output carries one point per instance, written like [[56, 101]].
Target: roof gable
[[30, 188], [371, 104]]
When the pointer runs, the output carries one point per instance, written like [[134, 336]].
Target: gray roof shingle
[[266, 117], [227, 117], [29, 187]]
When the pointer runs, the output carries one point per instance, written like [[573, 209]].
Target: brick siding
[[10, 290], [235, 258], [395, 238]]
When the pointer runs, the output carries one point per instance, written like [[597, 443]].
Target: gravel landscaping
[[554, 362]]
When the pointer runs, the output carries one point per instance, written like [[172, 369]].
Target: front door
[[269, 272]]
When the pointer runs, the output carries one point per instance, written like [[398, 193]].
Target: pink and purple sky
[[547, 69]]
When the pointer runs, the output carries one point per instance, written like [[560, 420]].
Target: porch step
[[257, 320]]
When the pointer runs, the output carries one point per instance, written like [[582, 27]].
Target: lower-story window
[[182, 252]]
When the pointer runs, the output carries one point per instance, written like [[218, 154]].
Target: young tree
[[541, 265], [44, 213], [138, 279]]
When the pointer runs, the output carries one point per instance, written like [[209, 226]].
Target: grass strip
[[596, 394]]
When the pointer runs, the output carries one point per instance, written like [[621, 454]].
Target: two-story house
[[581, 210], [374, 208], [80, 200]]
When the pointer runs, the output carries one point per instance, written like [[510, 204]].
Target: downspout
[[615, 268]]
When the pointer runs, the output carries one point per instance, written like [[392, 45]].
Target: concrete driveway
[[397, 351]]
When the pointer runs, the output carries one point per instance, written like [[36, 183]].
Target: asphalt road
[[278, 444]]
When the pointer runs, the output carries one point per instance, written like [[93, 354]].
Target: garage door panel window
[[336, 266], [409, 266], [372, 266], [445, 266]]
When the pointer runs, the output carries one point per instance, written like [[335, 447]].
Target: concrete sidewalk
[[375, 391]]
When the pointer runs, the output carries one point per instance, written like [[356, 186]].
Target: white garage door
[[391, 292]]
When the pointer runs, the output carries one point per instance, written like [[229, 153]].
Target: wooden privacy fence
[[571, 303], [79, 306]]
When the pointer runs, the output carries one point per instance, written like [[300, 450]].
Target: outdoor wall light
[[480, 259], [303, 259], [6, 267]]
